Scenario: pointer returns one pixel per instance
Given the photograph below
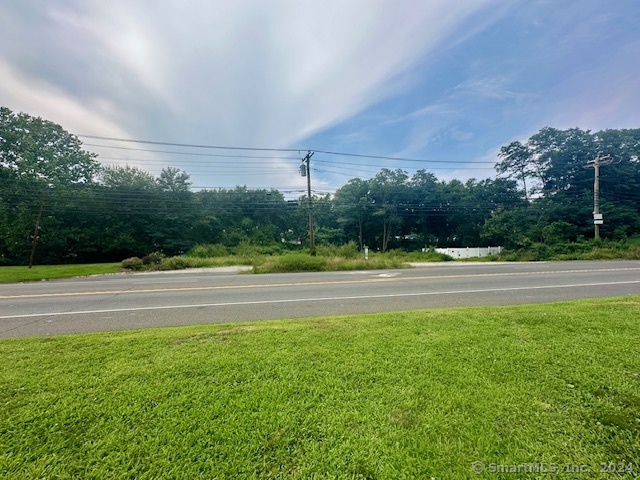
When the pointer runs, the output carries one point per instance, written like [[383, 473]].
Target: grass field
[[388, 396], [49, 272]]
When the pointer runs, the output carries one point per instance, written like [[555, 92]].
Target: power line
[[189, 145], [402, 159], [191, 153], [378, 166], [299, 150]]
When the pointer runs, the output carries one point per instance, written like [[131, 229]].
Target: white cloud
[[242, 73], [40, 98], [272, 74]]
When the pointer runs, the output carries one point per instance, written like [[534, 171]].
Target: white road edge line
[[320, 299]]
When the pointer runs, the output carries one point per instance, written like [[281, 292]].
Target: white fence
[[469, 252]]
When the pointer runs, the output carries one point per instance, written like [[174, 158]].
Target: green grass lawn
[[49, 272], [397, 395]]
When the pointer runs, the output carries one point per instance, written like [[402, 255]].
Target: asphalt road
[[134, 301]]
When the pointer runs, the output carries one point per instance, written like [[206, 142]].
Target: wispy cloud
[[431, 78], [491, 87], [236, 73]]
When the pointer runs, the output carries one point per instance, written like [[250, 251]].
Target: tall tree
[[389, 191], [36, 157], [515, 162], [176, 209], [173, 180], [353, 208], [557, 159], [130, 198], [40, 149], [428, 206]]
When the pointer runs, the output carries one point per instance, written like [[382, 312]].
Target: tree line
[[90, 212]]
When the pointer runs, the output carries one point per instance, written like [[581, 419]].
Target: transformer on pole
[[596, 163], [305, 171]]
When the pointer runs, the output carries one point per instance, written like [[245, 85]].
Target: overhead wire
[[200, 169], [190, 145], [256, 159], [192, 153], [299, 150]]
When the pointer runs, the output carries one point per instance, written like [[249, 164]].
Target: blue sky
[[437, 80]]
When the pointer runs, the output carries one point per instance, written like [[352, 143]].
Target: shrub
[[153, 258], [348, 250], [245, 249], [326, 250], [271, 249], [396, 252], [301, 262], [558, 232], [292, 262], [249, 250], [176, 263], [208, 250], [133, 263]]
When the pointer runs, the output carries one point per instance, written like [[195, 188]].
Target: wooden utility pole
[[305, 170], [596, 163], [36, 230]]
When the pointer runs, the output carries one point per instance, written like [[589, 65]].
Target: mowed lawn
[[49, 272], [400, 395]]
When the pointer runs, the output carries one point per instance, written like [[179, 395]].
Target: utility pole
[[596, 163], [305, 171], [37, 229]]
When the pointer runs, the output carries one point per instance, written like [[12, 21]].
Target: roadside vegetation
[[627, 249], [349, 257], [83, 211], [327, 258], [278, 259], [396, 395], [50, 272], [87, 211]]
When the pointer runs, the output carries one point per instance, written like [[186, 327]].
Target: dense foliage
[[95, 213]]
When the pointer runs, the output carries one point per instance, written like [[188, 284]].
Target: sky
[[443, 82]]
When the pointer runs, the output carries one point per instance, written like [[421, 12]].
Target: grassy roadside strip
[[292, 262], [330, 258], [397, 395], [50, 272]]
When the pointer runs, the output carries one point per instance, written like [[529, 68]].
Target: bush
[[208, 250], [153, 258], [584, 250], [348, 250], [558, 232], [249, 250], [245, 249], [301, 262], [176, 263], [292, 262], [396, 252], [133, 263]]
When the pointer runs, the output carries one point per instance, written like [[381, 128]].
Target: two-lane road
[[122, 302]]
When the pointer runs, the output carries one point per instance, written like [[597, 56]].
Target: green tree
[[40, 149], [515, 163], [173, 232], [389, 193], [427, 217], [353, 209], [173, 180], [37, 157], [556, 160], [128, 177], [130, 198]]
